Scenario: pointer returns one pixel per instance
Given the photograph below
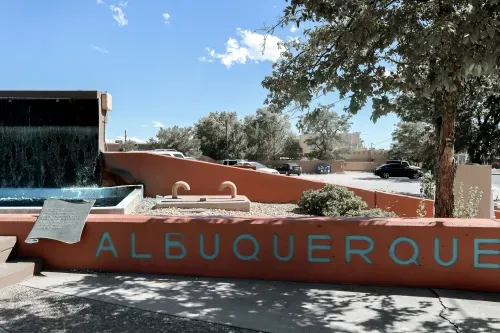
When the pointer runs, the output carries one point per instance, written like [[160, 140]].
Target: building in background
[[351, 140]]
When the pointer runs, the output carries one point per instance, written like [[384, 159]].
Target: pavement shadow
[[392, 179], [273, 306]]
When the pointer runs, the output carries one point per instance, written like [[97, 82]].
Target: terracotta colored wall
[[497, 214], [159, 173], [402, 205], [146, 244]]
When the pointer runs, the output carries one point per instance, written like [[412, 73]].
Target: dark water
[[38, 202], [49, 156]]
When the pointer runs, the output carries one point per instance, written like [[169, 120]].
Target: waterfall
[[49, 156]]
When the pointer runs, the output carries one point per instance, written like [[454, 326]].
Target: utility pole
[[125, 136], [227, 139]]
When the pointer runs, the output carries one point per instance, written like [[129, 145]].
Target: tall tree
[[414, 142], [128, 145], [266, 134], [478, 119], [221, 135], [292, 148], [380, 49], [182, 139], [327, 131]]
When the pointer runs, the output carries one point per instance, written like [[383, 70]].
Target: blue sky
[[165, 62]]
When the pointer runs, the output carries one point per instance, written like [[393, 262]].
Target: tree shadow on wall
[[259, 305]]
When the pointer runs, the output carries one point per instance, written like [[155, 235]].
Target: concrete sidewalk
[[269, 306]]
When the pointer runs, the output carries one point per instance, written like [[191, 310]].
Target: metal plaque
[[61, 220]]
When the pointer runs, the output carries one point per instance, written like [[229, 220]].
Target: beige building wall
[[476, 176], [378, 156]]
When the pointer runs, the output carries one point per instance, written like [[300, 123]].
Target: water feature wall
[[49, 142]]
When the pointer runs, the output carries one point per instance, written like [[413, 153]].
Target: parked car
[[169, 152], [231, 162], [259, 167], [397, 162], [398, 170], [289, 169]]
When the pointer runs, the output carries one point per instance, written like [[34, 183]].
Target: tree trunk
[[445, 170]]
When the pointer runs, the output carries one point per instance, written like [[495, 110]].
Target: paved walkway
[[64, 302]]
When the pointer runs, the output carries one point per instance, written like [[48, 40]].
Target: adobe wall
[[159, 173], [360, 166], [426, 253]]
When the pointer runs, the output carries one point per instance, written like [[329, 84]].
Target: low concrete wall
[[424, 253], [159, 173], [309, 166]]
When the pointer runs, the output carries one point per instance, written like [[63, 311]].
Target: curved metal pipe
[[231, 185], [176, 186]]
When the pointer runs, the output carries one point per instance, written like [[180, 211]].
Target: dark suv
[[398, 170], [289, 169]]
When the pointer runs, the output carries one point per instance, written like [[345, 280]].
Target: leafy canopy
[[327, 132], [221, 135], [266, 133], [182, 139], [379, 49]]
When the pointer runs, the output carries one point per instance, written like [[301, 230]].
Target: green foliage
[[334, 200], [467, 208], [292, 148], [327, 128], [414, 142], [266, 134], [477, 129], [381, 50], [478, 119], [221, 135], [182, 139], [128, 145], [428, 185]]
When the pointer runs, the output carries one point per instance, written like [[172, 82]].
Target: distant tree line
[[264, 135]]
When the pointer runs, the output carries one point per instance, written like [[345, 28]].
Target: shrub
[[467, 208], [428, 185], [334, 200], [421, 211]]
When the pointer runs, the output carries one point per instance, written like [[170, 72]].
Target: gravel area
[[27, 310], [256, 209]]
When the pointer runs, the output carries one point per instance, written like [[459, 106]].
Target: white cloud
[[99, 49], [123, 4], [248, 48], [205, 59], [294, 28], [157, 124], [100, 2], [166, 17], [119, 15]]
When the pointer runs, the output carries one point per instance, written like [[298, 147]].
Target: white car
[[169, 152], [259, 167]]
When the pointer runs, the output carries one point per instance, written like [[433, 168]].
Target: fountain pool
[[109, 200]]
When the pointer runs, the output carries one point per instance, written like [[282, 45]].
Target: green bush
[[334, 200], [427, 185]]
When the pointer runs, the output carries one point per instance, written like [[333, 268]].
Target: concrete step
[[15, 272], [6, 245]]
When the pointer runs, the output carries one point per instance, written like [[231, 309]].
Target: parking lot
[[368, 181]]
